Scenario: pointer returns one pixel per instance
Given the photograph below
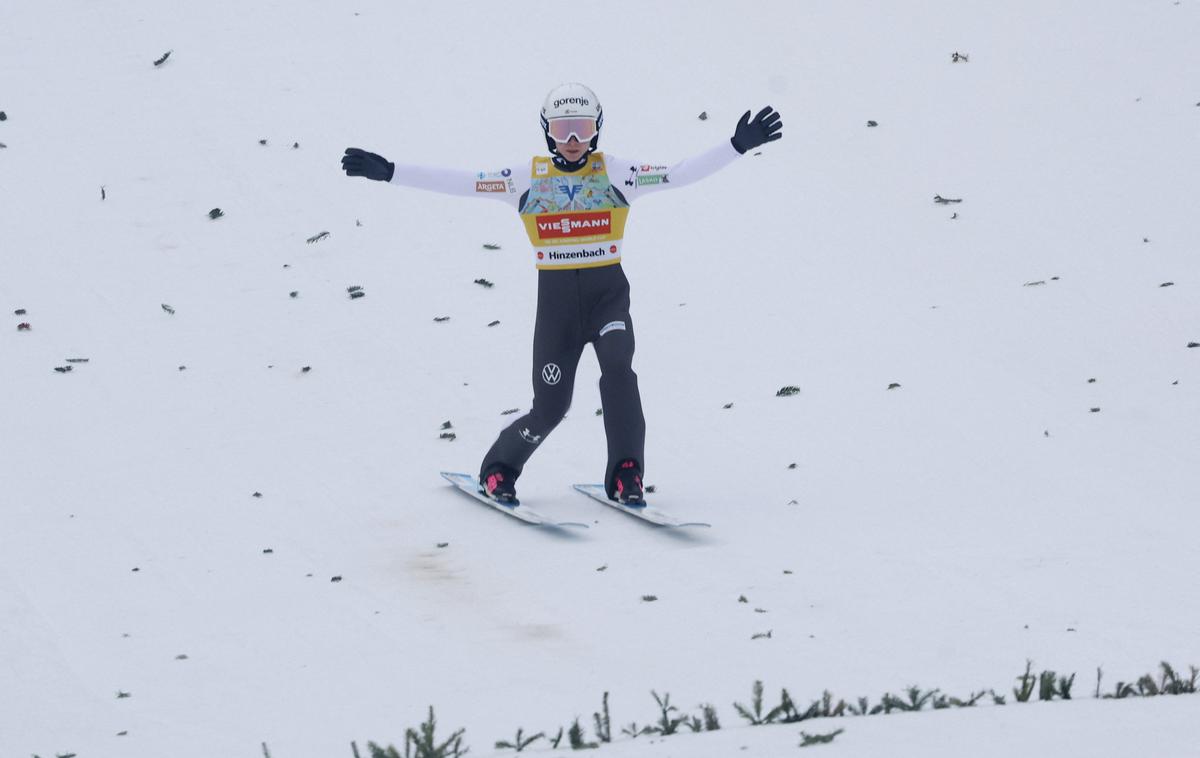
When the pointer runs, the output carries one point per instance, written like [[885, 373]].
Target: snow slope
[[939, 533]]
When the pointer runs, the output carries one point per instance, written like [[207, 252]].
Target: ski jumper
[[575, 220]]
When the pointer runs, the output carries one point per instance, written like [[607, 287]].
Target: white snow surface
[[939, 533]]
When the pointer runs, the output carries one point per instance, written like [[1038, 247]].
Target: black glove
[[765, 127], [361, 163]]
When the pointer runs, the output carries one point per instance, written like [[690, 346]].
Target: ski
[[469, 485], [643, 512]]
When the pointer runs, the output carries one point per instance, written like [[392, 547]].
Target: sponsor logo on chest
[[570, 190], [559, 225], [503, 173], [491, 186]]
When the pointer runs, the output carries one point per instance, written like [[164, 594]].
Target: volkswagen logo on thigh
[[551, 373]]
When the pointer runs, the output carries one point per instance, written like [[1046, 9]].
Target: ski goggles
[[562, 129]]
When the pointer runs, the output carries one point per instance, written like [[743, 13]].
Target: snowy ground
[[939, 533]]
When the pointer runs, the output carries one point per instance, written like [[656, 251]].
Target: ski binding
[[469, 485], [643, 512]]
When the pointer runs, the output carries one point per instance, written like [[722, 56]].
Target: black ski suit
[[575, 307]]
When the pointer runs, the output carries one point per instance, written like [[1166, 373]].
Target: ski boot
[[499, 483], [628, 483]]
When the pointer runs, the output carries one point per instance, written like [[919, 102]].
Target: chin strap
[[562, 165]]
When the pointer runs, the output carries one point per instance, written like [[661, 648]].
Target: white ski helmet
[[572, 100]]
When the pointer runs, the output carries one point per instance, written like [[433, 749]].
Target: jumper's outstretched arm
[[504, 184]]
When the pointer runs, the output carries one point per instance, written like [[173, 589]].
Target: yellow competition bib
[[574, 220]]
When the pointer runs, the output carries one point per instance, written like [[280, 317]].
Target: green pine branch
[[603, 724], [422, 742], [520, 742], [818, 739], [577, 739], [667, 723], [754, 714], [1027, 680]]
